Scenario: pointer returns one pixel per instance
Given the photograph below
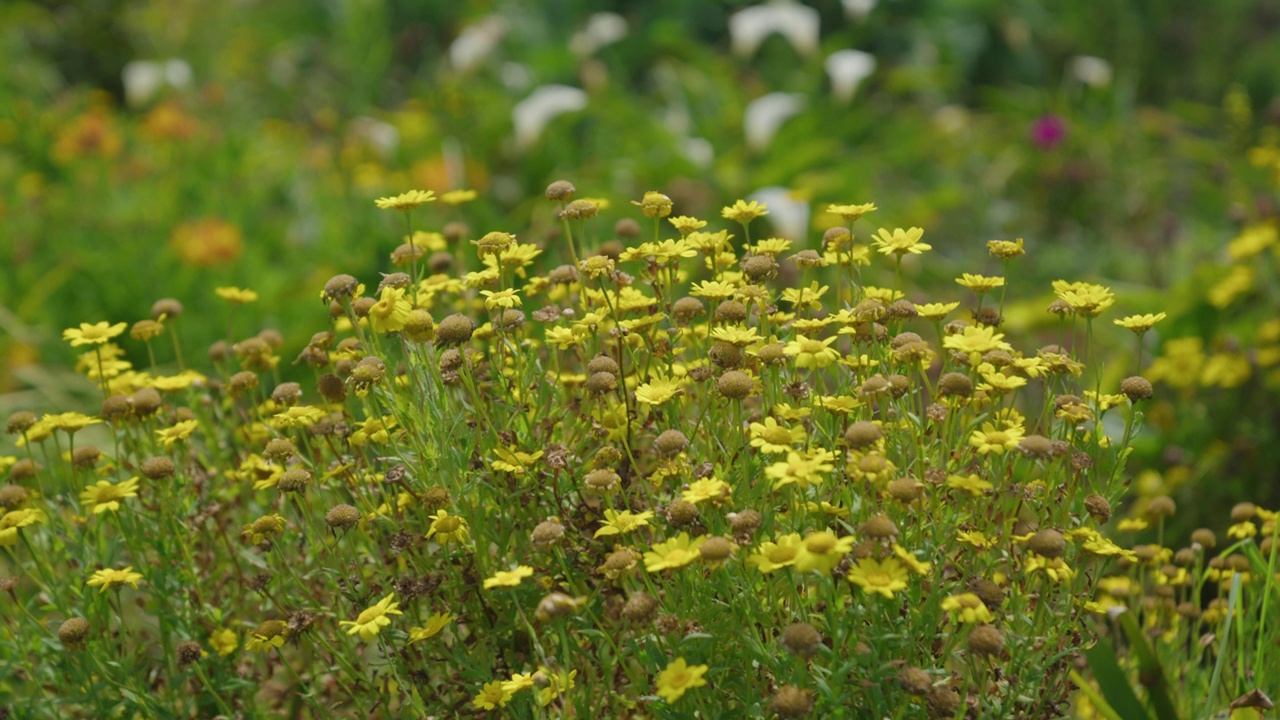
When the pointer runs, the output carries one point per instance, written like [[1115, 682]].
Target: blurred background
[[163, 148]]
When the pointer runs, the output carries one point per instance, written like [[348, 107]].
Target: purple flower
[[1048, 131]]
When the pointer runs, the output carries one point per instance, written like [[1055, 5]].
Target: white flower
[[699, 151], [476, 43], [858, 9], [847, 69], [142, 79], [382, 137], [1092, 71], [765, 115], [602, 29], [516, 77], [543, 105], [798, 24], [788, 215]]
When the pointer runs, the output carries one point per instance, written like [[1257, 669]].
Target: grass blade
[[1157, 684], [1113, 682], [1095, 698], [1232, 601]]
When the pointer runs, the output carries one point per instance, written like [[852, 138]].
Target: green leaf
[[1233, 601], [1099, 702], [1113, 683], [1149, 665]]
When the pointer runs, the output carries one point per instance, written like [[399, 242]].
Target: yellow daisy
[[373, 619], [103, 495], [95, 334], [406, 201], [108, 578]]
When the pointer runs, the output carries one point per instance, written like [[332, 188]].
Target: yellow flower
[[1132, 525], [621, 523], [849, 213], [901, 242], [909, 559], [263, 528], [501, 300], [447, 528], [95, 334], [979, 283], [557, 683], [15, 519], [1140, 323], [518, 682], [105, 496], [435, 624], [508, 578], [991, 439], [658, 391], [376, 430], [879, 577], [772, 247], [514, 461], [839, 404], [493, 695], [1253, 240], [180, 431], [108, 578], [685, 224], [679, 676], [712, 290], [1005, 249], [970, 483], [736, 335], [810, 297], [69, 422], [1242, 530], [976, 341], [373, 619], [974, 537], [997, 381], [654, 205], [801, 470], [744, 212], [181, 381], [268, 635], [298, 416], [780, 553], [406, 201], [223, 641], [1056, 568], [391, 311], [1226, 370], [564, 338], [812, 353], [709, 488], [673, 553], [967, 608], [771, 438], [457, 197], [822, 551], [935, 311], [1238, 281], [826, 508], [235, 295], [1084, 298]]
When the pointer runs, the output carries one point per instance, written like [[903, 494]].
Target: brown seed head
[[342, 517], [801, 639]]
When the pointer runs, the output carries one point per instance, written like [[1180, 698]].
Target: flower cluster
[[597, 475]]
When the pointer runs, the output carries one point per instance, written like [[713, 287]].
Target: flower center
[[777, 435], [820, 544], [782, 554]]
